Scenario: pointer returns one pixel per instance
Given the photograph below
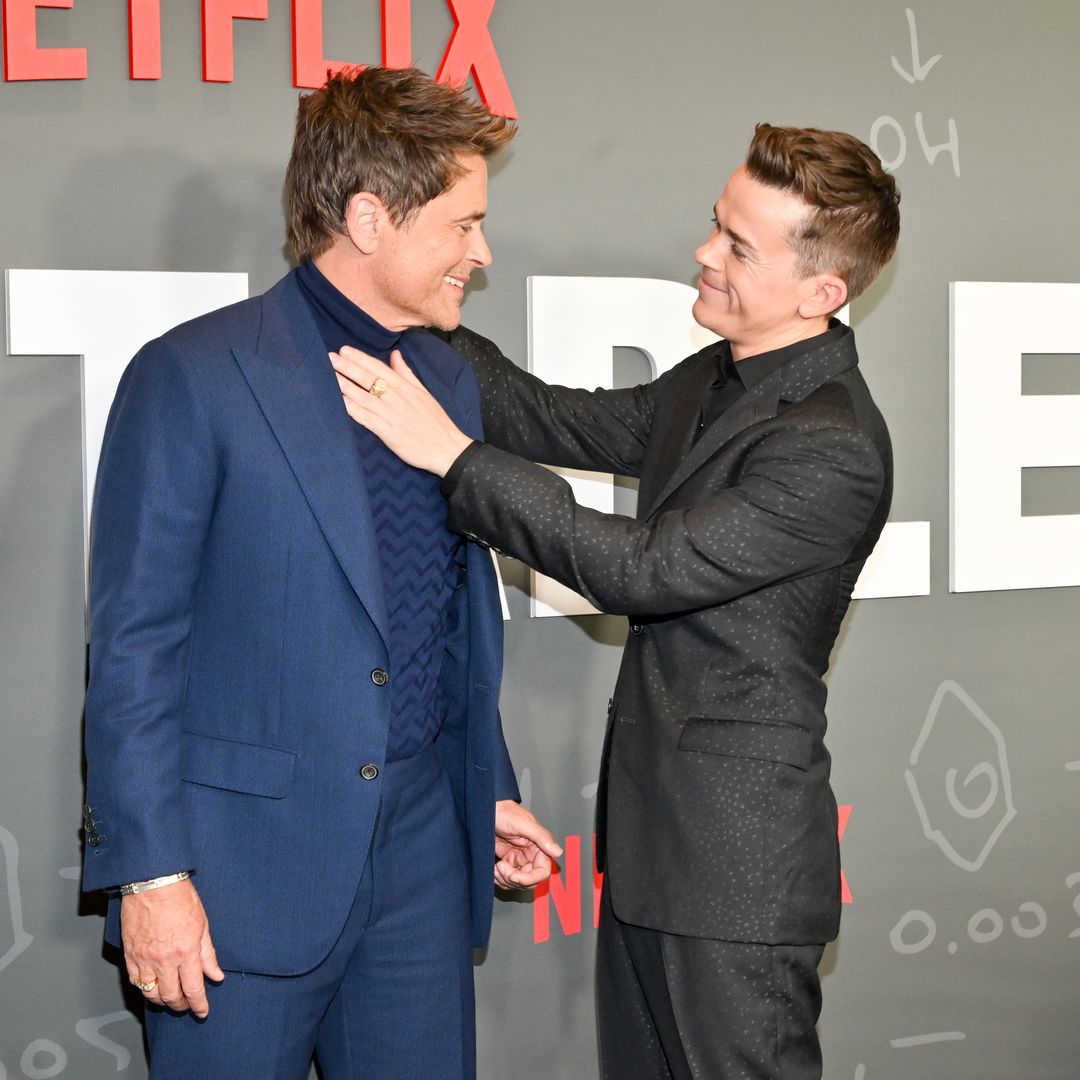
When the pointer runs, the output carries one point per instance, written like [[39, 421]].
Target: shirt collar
[[752, 369]]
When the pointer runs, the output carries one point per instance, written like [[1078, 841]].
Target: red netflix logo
[[470, 50], [563, 891]]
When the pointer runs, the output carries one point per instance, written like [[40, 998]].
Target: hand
[[523, 846], [167, 942], [405, 416]]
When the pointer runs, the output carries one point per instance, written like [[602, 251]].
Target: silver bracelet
[[154, 883]]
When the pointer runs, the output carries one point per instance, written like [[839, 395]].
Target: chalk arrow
[[918, 71]]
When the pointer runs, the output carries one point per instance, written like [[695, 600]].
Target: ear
[[365, 221], [826, 293]]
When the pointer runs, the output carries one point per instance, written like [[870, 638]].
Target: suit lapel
[[680, 426], [758, 403], [290, 375], [437, 367], [794, 381]]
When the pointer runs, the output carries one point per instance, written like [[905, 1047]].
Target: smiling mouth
[[456, 282]]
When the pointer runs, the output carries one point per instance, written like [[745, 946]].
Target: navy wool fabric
[[418, 554]]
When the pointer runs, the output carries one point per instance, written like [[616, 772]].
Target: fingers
[[192, 988], [362, 370], [146, 982], [208, 956], [522, 870], [357, 366], [397, 364], [518, 826], [525, 877], [170, 992]]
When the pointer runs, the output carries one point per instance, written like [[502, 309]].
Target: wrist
[[134, 887], [457, 446]]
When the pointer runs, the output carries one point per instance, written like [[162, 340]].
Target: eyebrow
[[478, 216], [735, 237]]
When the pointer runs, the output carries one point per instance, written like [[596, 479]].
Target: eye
[[737, 252], [715, 223]]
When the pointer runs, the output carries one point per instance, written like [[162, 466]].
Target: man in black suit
[[765, 480]]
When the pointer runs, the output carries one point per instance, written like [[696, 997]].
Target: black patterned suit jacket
[[715, 814]]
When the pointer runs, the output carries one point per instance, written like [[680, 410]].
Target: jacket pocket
[[248, 768], [755, 739]]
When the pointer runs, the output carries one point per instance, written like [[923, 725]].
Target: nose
[[706, 252], [479, 252]]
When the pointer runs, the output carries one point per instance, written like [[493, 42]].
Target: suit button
[[636, 628], [369, 771], [379, 677], [93, 839]]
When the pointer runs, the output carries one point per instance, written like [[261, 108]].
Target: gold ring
[[146, 987], [379, 387]]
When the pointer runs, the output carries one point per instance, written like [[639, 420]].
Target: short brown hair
[[395, 133], [853, 223]]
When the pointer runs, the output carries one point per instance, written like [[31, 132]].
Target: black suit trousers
[[671, 1007]]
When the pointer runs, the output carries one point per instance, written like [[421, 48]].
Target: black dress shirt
[[735, 377]]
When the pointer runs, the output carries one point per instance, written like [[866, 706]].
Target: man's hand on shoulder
[[523, 847], [167, 943]]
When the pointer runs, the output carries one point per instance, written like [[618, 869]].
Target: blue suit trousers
[[393, 1000]]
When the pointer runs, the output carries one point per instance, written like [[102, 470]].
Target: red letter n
[[218, 18], [471, 49], [22, 58], [566, 896]]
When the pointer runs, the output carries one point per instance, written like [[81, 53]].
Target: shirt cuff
[[449, 481]]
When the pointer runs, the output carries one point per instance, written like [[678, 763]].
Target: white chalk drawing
[[909, 918], [70, 873], [589, 790], [1071, 882], [984, 926], [89, 1030], [33, 1070], [20, 939], [926, 1040], [1072, 766], [918, 71], [997, 807], [883, 124]]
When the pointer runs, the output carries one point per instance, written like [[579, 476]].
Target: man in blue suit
[[298, 787]]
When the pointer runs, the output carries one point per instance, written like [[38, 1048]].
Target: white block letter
[[995, 432], [104, 317]]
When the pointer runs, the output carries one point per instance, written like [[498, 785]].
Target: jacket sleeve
[[802, 505], [155, 493], [600, 430]]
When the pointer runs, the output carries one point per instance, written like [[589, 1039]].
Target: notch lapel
[[290, 375], [795, 381], [758, 403]]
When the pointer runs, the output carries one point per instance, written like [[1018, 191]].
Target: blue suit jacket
[[237, 617]]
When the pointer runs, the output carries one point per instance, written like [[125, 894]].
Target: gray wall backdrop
[[632, 115]]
